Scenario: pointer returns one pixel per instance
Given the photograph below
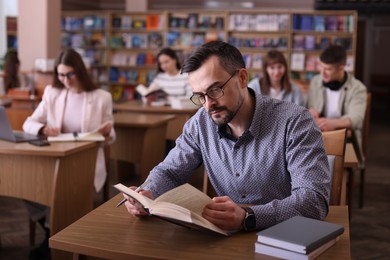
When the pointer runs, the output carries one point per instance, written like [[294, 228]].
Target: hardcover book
[[182, 205], [287, 254], [300, 234]]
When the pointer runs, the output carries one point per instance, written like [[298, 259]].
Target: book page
[[182, 216], [186, 196], [70, 137], [144, 91], [145, 201]]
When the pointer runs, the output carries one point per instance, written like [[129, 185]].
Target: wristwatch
[[249, 222]]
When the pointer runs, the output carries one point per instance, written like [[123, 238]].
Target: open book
[[182, 205], [153, 89], [71, 137]]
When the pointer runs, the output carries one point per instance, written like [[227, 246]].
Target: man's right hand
[[134, 207]]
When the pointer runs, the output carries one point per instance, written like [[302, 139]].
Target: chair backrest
[[366, 124], [334, 142]]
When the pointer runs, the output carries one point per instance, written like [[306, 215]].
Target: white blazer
[[96, 110]]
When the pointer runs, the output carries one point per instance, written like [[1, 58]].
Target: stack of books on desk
[[298, 238]]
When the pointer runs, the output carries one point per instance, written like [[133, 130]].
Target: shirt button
[[237, 174], [243, 196]]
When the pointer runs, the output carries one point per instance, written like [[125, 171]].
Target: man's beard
[[224, 119]]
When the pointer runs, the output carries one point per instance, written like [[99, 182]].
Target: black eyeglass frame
[[68, 75], [201, 97]]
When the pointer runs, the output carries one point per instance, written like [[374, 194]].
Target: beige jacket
[[352, 102]]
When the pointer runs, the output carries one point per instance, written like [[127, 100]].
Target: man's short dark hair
[[335, 55], [230, 58]]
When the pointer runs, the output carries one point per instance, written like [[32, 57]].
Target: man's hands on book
[[134, 207], [224, 213]]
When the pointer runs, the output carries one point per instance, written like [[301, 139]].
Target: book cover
[[331, 23], [306, 23], [310, 42], [182, 205], [152, 21], [297, 61], [286, 254], [298, 42], [300, 234], [319, 23]]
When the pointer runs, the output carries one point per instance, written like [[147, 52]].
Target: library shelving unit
[[313, 31], [122, 45], [135, 39], [86, 32], [187, 30], [255, 33]]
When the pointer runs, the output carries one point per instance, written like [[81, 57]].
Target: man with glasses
[[258, 151]]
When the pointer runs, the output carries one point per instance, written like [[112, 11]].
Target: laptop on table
[[7, 134]]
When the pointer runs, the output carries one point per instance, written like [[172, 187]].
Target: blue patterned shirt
[[279, 163]]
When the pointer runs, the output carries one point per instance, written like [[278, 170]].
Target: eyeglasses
[[214, 93], [69, 75]]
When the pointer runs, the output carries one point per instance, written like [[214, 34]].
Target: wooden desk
[[59, 176], [140, 139], [112, 233], [175, 127], [5, 102]]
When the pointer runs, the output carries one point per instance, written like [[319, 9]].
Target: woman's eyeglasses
[[214, 93], [69, 75]]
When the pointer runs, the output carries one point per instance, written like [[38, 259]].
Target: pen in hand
[[136, 190]]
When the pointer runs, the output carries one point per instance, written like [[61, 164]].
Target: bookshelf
[[255, 33], [123, 45], [135, 39], [314, 31], [87, 32]]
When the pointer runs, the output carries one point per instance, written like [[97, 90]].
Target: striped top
[[175, 86]]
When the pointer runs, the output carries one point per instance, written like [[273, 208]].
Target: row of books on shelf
[[89, 22], [300, 62], [80, 40], [192, 39], [98, 74], [127, 22], [196, 21], [93, 56], [322, 23], [122, 76], [258, 22], [311, 42], [253, 61], [132, 59], [121, 93], [259, 42], [129, 40], [298, 238]]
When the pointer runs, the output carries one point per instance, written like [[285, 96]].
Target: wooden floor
[[370, 226]]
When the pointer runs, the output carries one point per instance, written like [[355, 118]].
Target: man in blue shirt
[[256, 150]]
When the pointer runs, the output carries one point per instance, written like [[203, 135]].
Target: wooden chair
[[362, 162], [334, 142]]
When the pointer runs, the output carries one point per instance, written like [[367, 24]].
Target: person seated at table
[[12, 77], [336, 98], [256, 150], [73, 103], [168, 77], [276, 82]]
